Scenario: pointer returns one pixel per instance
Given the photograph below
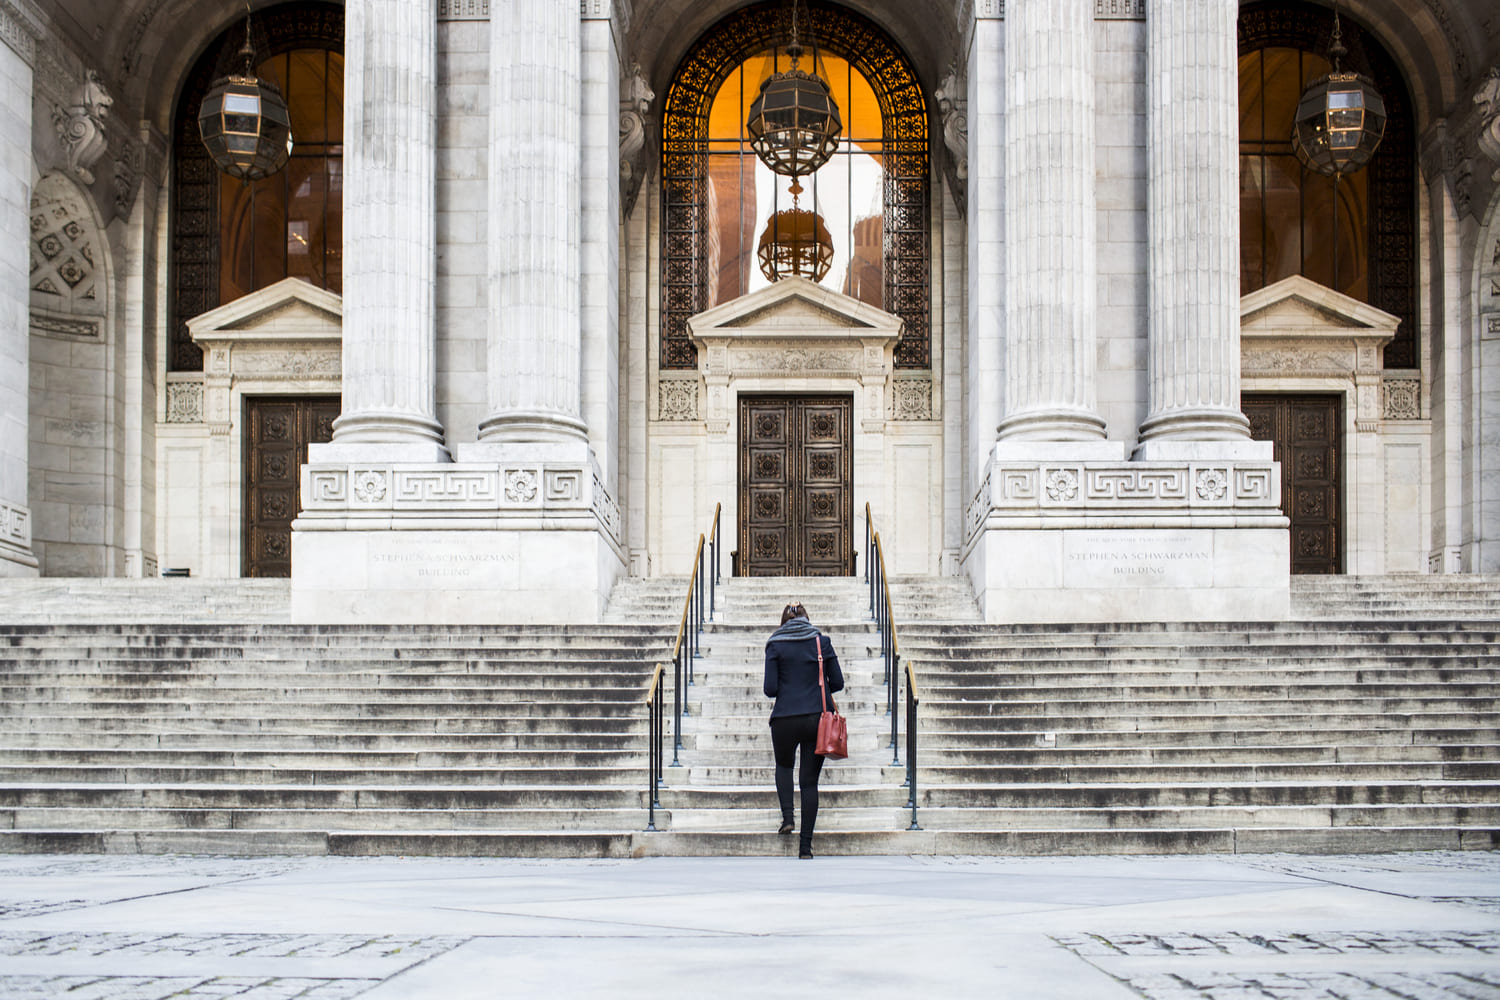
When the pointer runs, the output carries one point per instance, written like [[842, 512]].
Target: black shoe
[[806, 855], [786, 827]]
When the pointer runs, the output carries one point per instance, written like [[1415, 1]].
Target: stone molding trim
[[1126, 494], [463, 10], [508, 495], [68, 327], [1104, 10], [1401, 397]]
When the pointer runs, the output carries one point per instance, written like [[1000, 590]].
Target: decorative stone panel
[[677, 399], [911, 399], [1403, 398], [184, 402], [15, 526]]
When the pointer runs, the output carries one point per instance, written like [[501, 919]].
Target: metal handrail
[[657, 722], [882, 610], [687, 647]]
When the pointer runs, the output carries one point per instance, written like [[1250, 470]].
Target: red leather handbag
[[833, 732]]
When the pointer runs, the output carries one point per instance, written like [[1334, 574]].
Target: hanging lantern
[[244, 122], [795, 243], [1340, 119], [794, 123]]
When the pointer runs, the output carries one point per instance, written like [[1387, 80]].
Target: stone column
[[599, 253], [1193, 204], [16, 56], [390, 241], [1050, 242], [986, 234], [534, 207]]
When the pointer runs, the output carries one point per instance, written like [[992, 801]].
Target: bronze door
[[277, 433], [796, 485], [1305, 432]]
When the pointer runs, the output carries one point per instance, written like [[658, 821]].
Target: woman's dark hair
[[792, 611]]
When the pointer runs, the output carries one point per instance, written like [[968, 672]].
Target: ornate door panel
[[1305, 432], [277, 433], [796, 485]]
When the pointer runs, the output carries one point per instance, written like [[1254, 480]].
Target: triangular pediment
[[291, 309], [795, 307], [1300, 307]]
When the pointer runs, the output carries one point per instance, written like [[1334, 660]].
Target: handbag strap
[[822, 688]]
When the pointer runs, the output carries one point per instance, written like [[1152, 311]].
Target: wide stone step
[[1231, 737], [620, 755], [1189, 721], [95, 774], [1155, 773], [1193, 817], [344, 740], [939, 756], [332, 725], [304, 797], [282, 818], [1313, 793]]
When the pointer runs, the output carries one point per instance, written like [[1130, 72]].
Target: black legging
[[787, 733]]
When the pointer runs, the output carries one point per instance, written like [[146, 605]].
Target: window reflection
[[1292, 220], [291, 223], [848, 192]]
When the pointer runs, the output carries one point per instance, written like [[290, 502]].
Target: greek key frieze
[[461, 488], [15, 525], [327, 488], [1253, 485], [564, 486], [1134, 485]]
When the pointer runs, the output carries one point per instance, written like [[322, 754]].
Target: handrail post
[[911, 752], [891, 711], [679, 707]]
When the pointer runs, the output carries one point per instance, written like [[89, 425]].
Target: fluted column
[[1051, 295], [390, 241], [535, 114], [17, 50], [1194, 319]]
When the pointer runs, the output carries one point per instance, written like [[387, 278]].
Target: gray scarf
[[794, 630]]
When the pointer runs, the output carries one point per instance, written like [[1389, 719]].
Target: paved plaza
[[1165, 928]]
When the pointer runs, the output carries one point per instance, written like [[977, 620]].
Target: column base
[[528, 537]]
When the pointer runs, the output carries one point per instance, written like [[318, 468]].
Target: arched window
[[872, 196], [1358, 236], [230, 237]]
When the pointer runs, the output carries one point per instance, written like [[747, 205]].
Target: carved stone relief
[[912, 399], [184, 402], [81, 127], [952, 97], [1403, 399], [635, 102], [1488, 100], [677, 399], [463, 10], [67, 293]]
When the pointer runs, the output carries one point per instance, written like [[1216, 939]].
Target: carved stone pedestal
[[1065, 539], [519, 534]]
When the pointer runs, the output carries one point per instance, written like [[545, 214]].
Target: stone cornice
[[1104, 10]]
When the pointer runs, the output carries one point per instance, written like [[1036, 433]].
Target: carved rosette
[[369, 487], [911, 399]]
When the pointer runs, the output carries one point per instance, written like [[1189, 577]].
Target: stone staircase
[[337, 739], [207, 724]]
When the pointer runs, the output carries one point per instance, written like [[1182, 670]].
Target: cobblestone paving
[[158, 988]]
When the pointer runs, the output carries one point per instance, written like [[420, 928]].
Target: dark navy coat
[[792, 674]]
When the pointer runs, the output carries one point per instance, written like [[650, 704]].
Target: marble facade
[[505, 408]]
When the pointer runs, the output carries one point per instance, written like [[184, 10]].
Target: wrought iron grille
[[686, 235], [1392, 221], [194, 274]]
